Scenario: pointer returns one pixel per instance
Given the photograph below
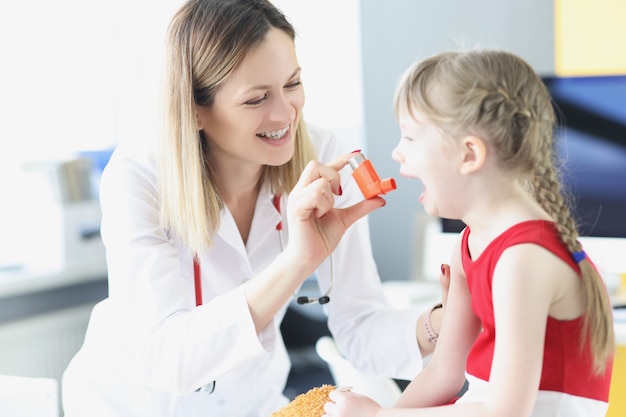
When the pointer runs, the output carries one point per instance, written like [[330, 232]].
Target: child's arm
[[525, 283], [444, 375]]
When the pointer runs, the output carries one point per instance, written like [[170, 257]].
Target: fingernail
[[356, 151], [340, 190], [344, 389], [443, 269]]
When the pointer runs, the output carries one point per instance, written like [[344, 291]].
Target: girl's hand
[[315, 225], [444, 281], [345, 403]]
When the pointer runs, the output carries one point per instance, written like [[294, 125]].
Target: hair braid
[[597, 328]]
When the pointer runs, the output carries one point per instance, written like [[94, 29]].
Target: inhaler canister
[[367, 179]]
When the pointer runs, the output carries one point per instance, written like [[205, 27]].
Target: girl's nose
[[396, 155]]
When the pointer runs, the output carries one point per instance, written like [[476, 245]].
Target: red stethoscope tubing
[[197, 274], [197, 281]]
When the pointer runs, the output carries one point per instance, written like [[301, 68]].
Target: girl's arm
[[524, 285], [444, 375], [443, 378], [525, 282]]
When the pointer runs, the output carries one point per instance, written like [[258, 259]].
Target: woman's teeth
[[277, 134]]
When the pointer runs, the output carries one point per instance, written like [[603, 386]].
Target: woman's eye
[[256, 101], [294, 85]]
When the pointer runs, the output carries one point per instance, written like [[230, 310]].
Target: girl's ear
[[474, 152]]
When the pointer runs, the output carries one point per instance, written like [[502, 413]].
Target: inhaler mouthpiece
[[367, 179]]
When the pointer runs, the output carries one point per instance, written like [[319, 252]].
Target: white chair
[[28, 397], [383, 390]]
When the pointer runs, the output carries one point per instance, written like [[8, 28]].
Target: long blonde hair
[[497, 95], [207, 40]]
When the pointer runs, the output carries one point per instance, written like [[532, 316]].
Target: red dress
[[567, 369]]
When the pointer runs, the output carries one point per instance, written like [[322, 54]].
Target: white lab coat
[[148, 348]]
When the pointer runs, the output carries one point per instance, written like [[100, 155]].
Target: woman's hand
[[345, 403], [315, 225], [315, 229]]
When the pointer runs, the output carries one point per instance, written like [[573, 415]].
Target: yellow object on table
[[309, 404], [617, 395]]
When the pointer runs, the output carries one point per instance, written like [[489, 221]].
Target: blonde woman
[[210, 235]]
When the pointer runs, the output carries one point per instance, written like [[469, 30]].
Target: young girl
[[528, 320]]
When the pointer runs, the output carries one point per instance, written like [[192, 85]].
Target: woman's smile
[[276, 137]]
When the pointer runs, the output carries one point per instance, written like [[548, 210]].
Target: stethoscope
[[323, 299], [302, 300]]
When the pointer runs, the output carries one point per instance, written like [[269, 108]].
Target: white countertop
[[426, 293], [26, 280]]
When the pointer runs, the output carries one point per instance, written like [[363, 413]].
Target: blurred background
[[79, 77]]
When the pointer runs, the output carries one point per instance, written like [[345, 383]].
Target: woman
[[233, 195]]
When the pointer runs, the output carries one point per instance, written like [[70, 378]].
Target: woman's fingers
[[316, 197], [315, 224], [315, 171], [351, 214], [330, 172], [341, 161]]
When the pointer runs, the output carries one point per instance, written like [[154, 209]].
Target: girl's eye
[[256, 101]]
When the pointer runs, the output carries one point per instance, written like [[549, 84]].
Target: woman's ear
[[199, 119], [474, 152]]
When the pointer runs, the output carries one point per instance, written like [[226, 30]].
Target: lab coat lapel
[[229, 233], [266, 217], [264, 222]]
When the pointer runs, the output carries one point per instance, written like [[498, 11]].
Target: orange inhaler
[[367, 179]]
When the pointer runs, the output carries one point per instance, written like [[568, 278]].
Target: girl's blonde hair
[[496, 95], [207, 41]]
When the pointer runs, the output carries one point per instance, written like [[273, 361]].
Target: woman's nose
[[282, 109]]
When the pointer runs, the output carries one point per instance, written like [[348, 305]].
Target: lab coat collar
[[264, 222]]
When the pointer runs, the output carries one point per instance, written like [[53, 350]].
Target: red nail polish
[[340, 190], [356, 151], [443, 269]]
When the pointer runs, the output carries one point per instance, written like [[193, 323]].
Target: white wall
[[57, 96], [56, 79], [328, 45], [76, 75]]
